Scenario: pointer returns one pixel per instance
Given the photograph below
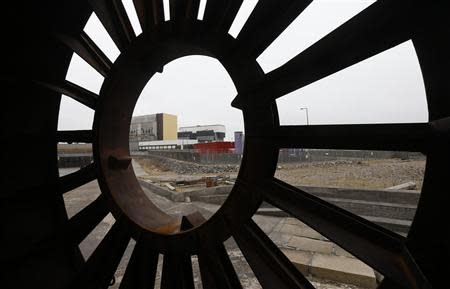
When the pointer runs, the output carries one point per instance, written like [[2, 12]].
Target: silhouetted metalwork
[[40, 244]]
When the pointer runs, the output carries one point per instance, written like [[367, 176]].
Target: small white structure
[[196, 128], [203, 133], [165, 144]]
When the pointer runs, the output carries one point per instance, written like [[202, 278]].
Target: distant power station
[[160, 132], [153, 127], [203, 133], [160, 126]]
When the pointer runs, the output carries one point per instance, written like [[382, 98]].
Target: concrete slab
[[267, 224], [280, 239], [296, 235], [294, 221], [310, 245], [301, 260], [79, 198], [209, 207], [160, 201], [302, 231], [343, 269], [335, 268], [90, 243], [280, 224], [184, 209], [138, 170], [376, 209], [341, 252], [405, 186]]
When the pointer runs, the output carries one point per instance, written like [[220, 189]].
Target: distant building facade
[[154, 127], [238, 142], [202, 133], [167, 144]]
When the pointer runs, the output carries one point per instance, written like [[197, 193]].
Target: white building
[[166, 144], [202, 133]]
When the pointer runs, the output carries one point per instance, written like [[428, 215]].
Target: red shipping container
[[220, 146]]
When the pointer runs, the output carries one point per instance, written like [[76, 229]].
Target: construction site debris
[[404, 186], [182, 167], [211, 182], [169, 186]]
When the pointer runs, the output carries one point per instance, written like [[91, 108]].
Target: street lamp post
[[307, 116]]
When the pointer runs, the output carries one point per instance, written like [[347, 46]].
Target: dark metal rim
[[120, 91]]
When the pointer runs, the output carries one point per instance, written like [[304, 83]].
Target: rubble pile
[[182, 167]]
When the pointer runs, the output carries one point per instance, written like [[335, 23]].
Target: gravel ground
[[370, 174], [373, 174], [156, 164]]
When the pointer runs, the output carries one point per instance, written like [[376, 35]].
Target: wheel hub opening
[[118, 98]]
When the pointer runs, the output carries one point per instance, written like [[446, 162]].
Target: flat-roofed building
[[203, 133], [167, 144], [153, 127]]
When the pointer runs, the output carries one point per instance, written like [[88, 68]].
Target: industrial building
[[160, 126], [203, 133], [167, 144], [153, 127]]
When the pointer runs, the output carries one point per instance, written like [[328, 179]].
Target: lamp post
[[307, 116]]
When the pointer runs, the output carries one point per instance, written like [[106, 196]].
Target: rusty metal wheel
[[41, 243]]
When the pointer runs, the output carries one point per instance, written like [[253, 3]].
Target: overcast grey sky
[[385, 88]]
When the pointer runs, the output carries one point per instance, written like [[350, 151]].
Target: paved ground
[[287, 233]]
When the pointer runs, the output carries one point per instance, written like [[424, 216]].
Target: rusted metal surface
[[41, 243]]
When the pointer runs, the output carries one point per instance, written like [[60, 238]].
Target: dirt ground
[[74, 148], [373, 174], [370, 174]]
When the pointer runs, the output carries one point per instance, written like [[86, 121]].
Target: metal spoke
[[381, 26], [216, 269], [88, 50], [150, 13], [80, 225], [394, 137], [102, 264], [266, 22], [141, 270], [74, 136], [183, 9], [177, 271], [114, 18], [191, 220], [178, 263], [272, 268], [74, 91], [389, 284], [219, 14], [431, 253], [76, 229], [378, 247], [61, 186], [77, 179]]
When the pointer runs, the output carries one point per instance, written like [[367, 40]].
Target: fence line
[[285, 155]]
